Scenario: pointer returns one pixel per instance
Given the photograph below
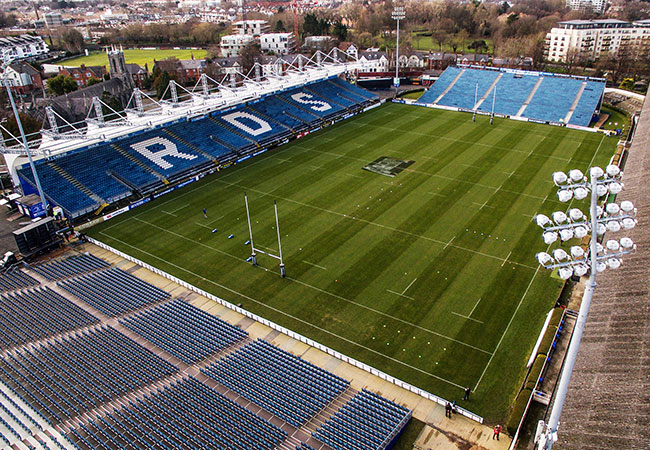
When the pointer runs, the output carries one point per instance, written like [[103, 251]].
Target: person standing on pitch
[[467, 392], [205, 213], [497, 430], [448, 410]]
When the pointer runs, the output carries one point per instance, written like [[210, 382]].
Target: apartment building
[[20, 47], [278, 43]]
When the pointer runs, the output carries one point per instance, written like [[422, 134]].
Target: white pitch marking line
[[449, 243], [317, 168], [435, 193], [483, 205], [401, 295], [506, 260], [315, 265], [204, 226], [407, 287], [166, 261], [477, 302], [466, 317], [353, 175], [168, 213], [178, 209]]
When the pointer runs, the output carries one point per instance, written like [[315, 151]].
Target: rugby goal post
[[255, 251]]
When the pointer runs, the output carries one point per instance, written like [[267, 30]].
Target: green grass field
[[137, 56], [429, 276]]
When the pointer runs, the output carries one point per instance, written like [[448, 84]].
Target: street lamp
[[578, 262], [398, 14]]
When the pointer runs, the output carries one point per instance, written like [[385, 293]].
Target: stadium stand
[[82, 180], [113, 291], [78, 372], [183, 330], [18, 419], [59, 269], [284, 384], [532, 95], [34, 314], [13, 279], [186, 414], [367, 422]]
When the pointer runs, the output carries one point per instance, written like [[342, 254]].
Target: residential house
[[83, 74], [374, 61], [349, 48], [20, 47], [138, 74], [23, 77]]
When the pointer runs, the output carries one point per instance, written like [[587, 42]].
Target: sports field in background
[[136, 56], [429, 275]]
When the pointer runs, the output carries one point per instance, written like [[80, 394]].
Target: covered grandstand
[[534, 96]]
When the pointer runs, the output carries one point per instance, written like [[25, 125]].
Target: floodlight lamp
[[566, 234], [542, 220], [564, 195], [612, 245], [565, 272], [601, 190], [613, 209], [549, 237], [559, 217], [614, 226], [577, 252], [601, 229], [580, 270], [627, 206], [613, 170], [599, 210], [581, 232], [575, 214], [576, 175], [580, 193], [629, 223], [544, 258], [615, 187], [560, 255], [626, 243], [600, 266], [596, 172], [559, 178], [614, 263], [599, 248]]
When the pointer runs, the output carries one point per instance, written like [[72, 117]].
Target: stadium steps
[[234, 131], [451, 85], [76, 183], [492, 86], [306, 111], [192, 146], [329, 99], [259, 113], [328, 410], [139, 163], [529, 98], [575, 102], [224, 143], [342, 87]]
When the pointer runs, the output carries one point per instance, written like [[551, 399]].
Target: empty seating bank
[[82, 180], [544, 97]]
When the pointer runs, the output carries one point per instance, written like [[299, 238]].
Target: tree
[[340, 31], [439, 36], [627, 84], [115, 106], [310, 25], [71, 40], [478, 46], [279, 27], [7, 20], [93, 81], [61, 84], [30, 127], [249, 55], [160, 84]]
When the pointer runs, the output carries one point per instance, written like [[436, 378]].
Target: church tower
[[117, 66]]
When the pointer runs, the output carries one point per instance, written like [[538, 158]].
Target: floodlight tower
[[7, 85], [398, 14], [579, 262]]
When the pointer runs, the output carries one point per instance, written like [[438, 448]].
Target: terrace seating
[[334, 93], [187, 415], [447, 77], [70, 266], [312, 103], [512, 92], [285, 385], [185, 331], [201, 140], [351, 90], [58, 189], [113, 291], [18, 421], [463, 93], [34, 314], [553, 99], [71, 375], [13, 279], [367, 422], [588, 103], [244, 123], [285, 113], [304, 446]]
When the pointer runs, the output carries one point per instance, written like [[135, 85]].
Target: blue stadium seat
[[588, 103], [511, 93], [58, 269], [440, 85], [463, 93], [553, 99]]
